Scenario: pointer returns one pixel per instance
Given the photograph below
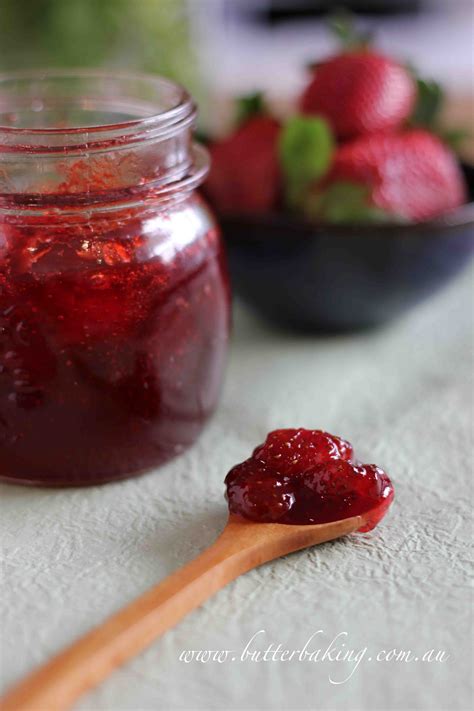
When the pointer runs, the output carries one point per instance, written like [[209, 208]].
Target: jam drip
[[300, 476]]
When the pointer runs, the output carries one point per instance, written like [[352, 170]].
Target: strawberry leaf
[[428, 103], [201, 136], [454, 137], [430, 98], [344, 202], [306, 148], [248, 106]]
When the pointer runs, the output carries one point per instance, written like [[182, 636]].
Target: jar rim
[[106, 202], [138, 148], [176, 112]]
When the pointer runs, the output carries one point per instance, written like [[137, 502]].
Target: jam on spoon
[[300, 476]]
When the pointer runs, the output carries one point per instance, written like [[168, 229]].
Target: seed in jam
[[300, 476]]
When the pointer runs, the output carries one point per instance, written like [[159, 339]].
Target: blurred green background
[[145, 35]]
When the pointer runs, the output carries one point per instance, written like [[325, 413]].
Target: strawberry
[[360, 92], [412, 174], [245, 172]]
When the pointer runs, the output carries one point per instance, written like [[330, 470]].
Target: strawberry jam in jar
[[114, 298]]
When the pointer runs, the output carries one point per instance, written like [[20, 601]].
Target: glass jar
[[114, 300]]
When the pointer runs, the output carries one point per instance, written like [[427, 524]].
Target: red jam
[[112, 343], [300, 476], [114, 299]]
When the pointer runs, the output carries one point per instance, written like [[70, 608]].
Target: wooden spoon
[[242, 545]]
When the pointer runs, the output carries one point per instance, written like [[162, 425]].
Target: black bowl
[[328, 277]]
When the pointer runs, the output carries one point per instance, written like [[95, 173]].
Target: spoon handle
[[241, 546]]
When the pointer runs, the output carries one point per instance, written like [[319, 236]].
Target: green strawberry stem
[[342, 25]]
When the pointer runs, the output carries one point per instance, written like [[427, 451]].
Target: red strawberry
[[360, 92], [245, 173], [410, 174]]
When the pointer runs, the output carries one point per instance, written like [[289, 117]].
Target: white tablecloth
[[403, 396]]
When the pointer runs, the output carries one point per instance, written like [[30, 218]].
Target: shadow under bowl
[[331, 277]]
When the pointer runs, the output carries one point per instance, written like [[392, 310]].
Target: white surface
[[403, 397]]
